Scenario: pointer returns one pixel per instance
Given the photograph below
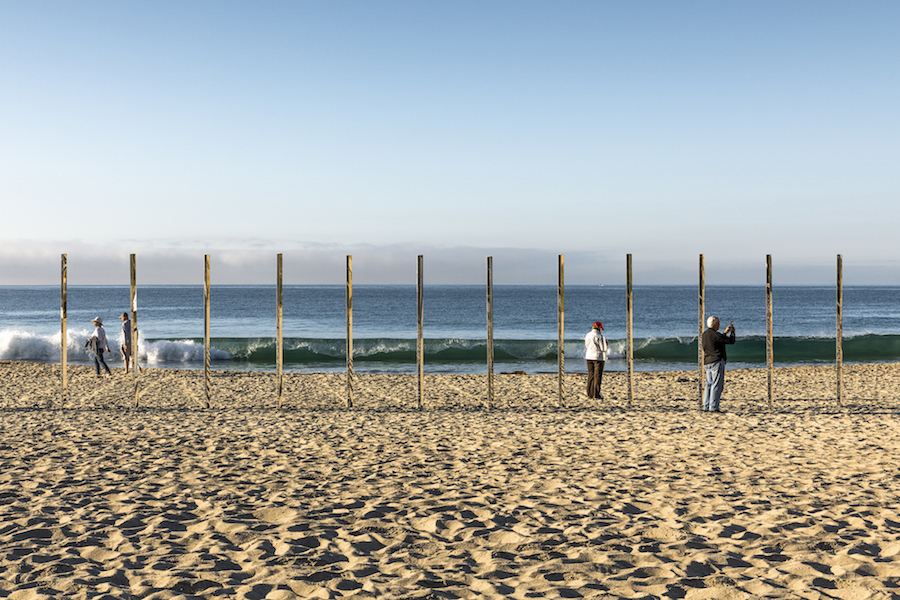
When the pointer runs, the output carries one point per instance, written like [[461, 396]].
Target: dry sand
[[99, 499]]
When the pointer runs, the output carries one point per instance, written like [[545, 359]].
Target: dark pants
[[98, 360], [595, 377]]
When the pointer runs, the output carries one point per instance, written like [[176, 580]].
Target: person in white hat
[[99, 345]]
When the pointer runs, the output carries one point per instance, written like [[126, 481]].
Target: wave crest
[[16, 344]]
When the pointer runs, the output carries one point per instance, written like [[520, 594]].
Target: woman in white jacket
[[595, 351], [98, 344]]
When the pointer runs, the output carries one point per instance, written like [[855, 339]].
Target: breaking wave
[[23, 345]]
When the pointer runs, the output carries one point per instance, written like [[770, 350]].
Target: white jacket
[[595, 346], [101, 342]]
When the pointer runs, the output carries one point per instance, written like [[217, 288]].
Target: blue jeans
[[98, 360], [715, 383]]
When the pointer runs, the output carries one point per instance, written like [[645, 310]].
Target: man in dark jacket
[[714, 362]]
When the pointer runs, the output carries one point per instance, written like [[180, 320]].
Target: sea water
[[243, 329]]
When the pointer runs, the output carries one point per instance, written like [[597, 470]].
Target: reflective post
[[770, 346], [349, 331], [279, 329], [701, 322], [134, 329], [490, 331], [629, 333], [420, 320], [206, 291], [63, 336], [839, 337], [561, 320]]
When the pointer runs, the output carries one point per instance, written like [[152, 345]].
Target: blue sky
[[455, 130]]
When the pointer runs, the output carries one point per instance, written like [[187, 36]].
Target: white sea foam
[[22, 345], [16, 344], [166, 351]]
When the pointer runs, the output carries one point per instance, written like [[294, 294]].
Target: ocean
[[170, 320]]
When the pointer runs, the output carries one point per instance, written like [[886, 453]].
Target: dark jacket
[[714, 345]]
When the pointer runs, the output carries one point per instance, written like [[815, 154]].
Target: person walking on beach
[[126, 344], [596, 349], [714, 362], [99, 345]]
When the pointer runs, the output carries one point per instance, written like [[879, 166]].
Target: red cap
[[598, 325]]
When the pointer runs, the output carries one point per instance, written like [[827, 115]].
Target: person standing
[[596, 350], [126, 340], [99, 344], [714, 358]]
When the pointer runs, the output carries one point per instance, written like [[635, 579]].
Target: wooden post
[[279, 328], [134, 334], [629, 333], [420, 319], [349, 331], [701, 322], [770, 346], [490, 331], [561, 320], [839, 336], [63, 336], [206, 319]]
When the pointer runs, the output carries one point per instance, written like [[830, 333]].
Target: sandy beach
[[169, 499]]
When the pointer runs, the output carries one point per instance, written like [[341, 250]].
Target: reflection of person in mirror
[[714, 358], [99, 345], [595, 351]]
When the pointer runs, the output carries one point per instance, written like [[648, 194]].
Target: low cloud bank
[[253, 262]]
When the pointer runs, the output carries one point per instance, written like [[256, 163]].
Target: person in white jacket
[[596, 350], [98, 345]]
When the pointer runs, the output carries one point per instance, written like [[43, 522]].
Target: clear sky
[[455, 130]]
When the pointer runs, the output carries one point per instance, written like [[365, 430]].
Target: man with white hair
[[714, 362]]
